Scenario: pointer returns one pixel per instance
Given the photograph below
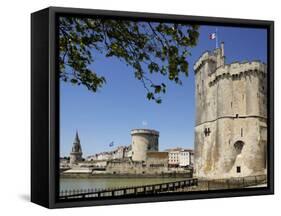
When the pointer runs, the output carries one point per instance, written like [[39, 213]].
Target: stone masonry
[[231, 117]]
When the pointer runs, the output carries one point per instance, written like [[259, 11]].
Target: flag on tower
[[212, 36]]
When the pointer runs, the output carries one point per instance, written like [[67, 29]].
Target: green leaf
[[74, 81], [157, 88], [159, 101], [149, 95]]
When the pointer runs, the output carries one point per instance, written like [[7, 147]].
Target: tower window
[[238, 169], [207, 131], [241, 132], [237, 116]]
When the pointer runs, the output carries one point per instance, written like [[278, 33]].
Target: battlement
[[206, 56], [236, 70], [144, 131], [216, 57]]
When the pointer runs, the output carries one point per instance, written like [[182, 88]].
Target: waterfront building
[[104, 156], [92, 157], [186, 158], [173, 157], [180, 157], [128, 152], [119, 153]]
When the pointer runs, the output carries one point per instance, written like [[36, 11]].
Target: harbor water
[[107, 183]]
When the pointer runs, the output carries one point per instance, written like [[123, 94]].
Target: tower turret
[[143, 141], [205, 69], [76, 151]]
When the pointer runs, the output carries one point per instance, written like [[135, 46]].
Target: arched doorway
[[238, 146]]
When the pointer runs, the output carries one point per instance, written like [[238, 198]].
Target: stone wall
[[125, 167], [156, 163]]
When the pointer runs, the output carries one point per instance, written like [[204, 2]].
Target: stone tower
[[231, 117], [76, 151], [143, 141]]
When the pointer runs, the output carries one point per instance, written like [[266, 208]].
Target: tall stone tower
[[231, 117], [143, 141], [76, 151]]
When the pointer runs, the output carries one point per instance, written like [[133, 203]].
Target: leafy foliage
[[148, 47]]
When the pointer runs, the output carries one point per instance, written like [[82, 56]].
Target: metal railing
[[128, 191]]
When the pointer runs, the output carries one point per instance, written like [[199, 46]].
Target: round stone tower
[[143, 140], [76, 151]]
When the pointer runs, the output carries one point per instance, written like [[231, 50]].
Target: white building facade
[[180, 157]]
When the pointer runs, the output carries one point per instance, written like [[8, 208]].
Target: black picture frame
[[45, 111]]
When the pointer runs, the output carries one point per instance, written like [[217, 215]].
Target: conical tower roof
[[76, 140]]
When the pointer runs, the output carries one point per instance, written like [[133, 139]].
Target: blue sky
[[121, 104]]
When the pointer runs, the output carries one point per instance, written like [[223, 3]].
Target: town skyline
[[113, 147]]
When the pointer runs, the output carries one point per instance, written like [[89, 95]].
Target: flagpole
[[217, 39]]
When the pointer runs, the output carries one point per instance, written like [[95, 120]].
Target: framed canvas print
[[139, 107]]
